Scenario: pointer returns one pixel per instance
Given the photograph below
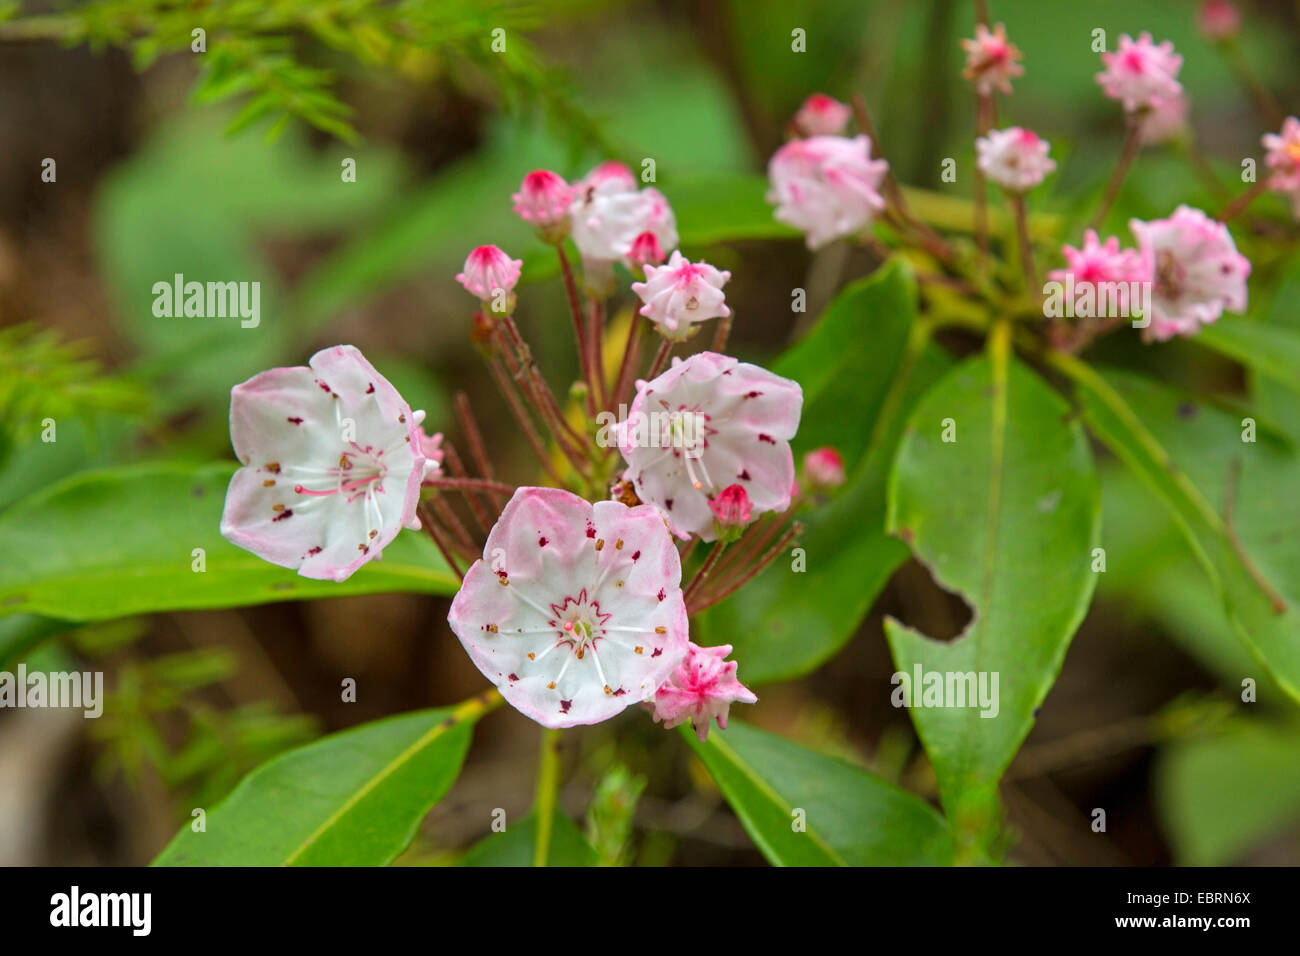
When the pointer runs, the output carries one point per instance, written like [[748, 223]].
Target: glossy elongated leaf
[[1006, 515], [1193, 456], [105, 544], [1268, 348], [514, 845], [850, 817], [351, 799], [1225, 793], [856, 397]]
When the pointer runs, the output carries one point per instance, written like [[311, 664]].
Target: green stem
[[548, 784]]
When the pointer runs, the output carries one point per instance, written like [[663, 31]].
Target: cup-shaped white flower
[[681, 293], [575, 610], [709, 422], [333, 458], [609, 213], [826, 186]]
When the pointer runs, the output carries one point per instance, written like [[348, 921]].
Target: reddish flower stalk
[[539, 394], [723, 332], [599, 388], [465, 412], [447, 515], [580, 335], [702, 575], [660, 359], [727, 589], [1026, 250], [467, 484], [431, 526], [457, 468], [1239, 205], [631, 357], [505, 385], [1132, 144]]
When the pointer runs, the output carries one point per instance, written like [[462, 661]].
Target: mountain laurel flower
[[824, 468], [991, 60], [708, 422], [732, 512], [646, 251], [609, 214], [1141, 73], [702, 688], [1195, 269], [1283, 160], [1164, 121], [1015, 159], [333, 459], [681, 293], [575, 610], [826, 186], [543, 201], [1096, 261], [1218, 20], [822, 115], [489, 272]]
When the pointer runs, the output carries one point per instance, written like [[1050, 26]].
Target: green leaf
[[1271, 350], [725, 208], [1222, 795], [351, 799], [105, 544], [851, 816], [1007, 516], [20, 634], [786, 623], [1187, 452], [514, 845]]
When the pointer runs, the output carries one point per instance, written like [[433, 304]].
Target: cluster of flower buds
[[575, 598]]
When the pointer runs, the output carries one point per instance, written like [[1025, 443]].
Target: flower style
[[1096, 262], [1141, 74], [991, 60], [822, 115], [332, 461], [543, 200], [681, 293], [824, 468], [489, 270], [1283, 160], [575, 610], [701, 689], [1015, 159], [826, 186], [1166, 119], [1195, 269], [708, 422], [609, 214]]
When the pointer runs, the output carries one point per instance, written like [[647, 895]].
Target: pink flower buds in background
[[826, 186], [1141, 74], [991, 60], [1218, 20], [488, 271], [646, 251], [1015, 159], [701, 689], [543, 200], [1096, 261], [822, 115], [1163, 121], [1195, 268], [681, 293], [824, 468], [1283, 161]]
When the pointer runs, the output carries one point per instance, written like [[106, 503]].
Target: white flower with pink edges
[[1283, 160], [681, 293], [709, 422], [701, 689], [333, 459], [575, 610], [1195, 269], [609, 213], [826, 186], [1015, 159], [1141, 73]]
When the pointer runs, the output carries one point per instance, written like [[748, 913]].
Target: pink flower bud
[[991, 60], [824, 468], [731, 507], [702, 688], [1219, 20], [822, 115], [543, 200], [1141, 73], [487, 270], [678, 295], [1283, 161], [645, 251]]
